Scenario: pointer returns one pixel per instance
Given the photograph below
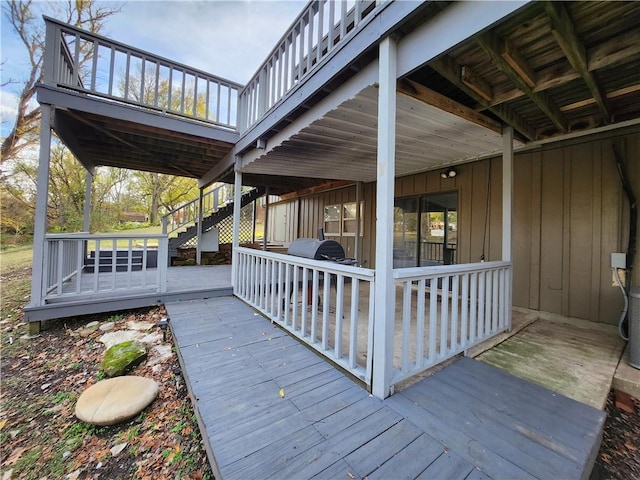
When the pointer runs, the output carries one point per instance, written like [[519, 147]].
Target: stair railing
[[187, 213]]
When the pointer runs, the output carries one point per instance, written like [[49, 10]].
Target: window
[[340, 220]]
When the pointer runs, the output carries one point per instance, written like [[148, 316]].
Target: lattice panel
[[226, 229]]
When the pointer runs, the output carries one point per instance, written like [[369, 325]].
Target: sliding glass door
[[425, 230]]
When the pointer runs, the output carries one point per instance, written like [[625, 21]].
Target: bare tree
[[86, 14]]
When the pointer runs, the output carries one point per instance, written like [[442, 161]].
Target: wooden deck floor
[[269, 407], [183, 283]]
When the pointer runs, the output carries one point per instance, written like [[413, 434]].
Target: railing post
[[51, 53], [237, 200], [163, 263], [40, 222], [385, 287], [199, 228], [165, 221]]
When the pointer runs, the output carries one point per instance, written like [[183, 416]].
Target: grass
[[13, 258]]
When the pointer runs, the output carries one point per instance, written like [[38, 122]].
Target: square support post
[[356, 250], [265, 230], [199, 228], [507, 209], [384, 287], [237, 206], [42, 195], [86, 225]]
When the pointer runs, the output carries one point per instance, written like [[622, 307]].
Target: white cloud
[[226, 38]]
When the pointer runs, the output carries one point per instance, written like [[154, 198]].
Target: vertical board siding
[[569, 213]]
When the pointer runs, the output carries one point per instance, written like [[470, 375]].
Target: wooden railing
[[81, 264], [319, 30], [326, 305], [188, 213], [95, 65], [446, 310]]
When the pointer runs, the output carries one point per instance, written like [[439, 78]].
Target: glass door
[[425, 230]]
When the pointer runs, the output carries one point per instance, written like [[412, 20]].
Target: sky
[[228, 38]]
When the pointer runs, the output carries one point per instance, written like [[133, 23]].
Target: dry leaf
[[282, 393], [3, 423], [15, 455]]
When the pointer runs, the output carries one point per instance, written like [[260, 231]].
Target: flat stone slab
[[115, 400]]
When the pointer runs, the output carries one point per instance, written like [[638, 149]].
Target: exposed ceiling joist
[[435, 99], [475, 83], [518, 64], [573, 48], [590, 101], [452, 71], [611, 52], [492, 46]]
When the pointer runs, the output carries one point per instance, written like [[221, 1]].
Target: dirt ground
[[42, 378]]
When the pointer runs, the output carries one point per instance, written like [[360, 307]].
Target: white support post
[[237, 200], [507, 210], [266, 220], [40, 221], [199, 229], [507, 191], [87, 201], [356, 250], [384, 288]]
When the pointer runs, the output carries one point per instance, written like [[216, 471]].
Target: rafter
[[452, 71], [493, 45], [573, 48], [611, 52]]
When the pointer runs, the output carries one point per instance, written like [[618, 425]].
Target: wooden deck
[[268, 407], [183, 283]]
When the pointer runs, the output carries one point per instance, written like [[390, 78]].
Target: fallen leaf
[[350, 475], [116, 449], [15, 455], [3, 423], [282, 393]]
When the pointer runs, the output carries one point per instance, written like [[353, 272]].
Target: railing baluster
[[433, 318], [80, 265], [331, 33], [494, 302], [320, 31], [326, 281], [420, 320], [314, 306], [343, 19], [129, 262], [96, 267], [310, 40], [406, 325], [455, 279], [60, 267], [145, 248], [488, 285], [305, 301], [294, 298], [114, 262], [444, 316], [473, 321], [287, 294], [465, 310], [339, 316], [353, 326], [279, 287]]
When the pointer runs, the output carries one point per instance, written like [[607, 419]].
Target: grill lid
[[316, 249]]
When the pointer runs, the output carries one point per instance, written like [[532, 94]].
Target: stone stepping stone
[[115, 400]]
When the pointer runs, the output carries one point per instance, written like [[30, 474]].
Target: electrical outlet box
[[618, 260]]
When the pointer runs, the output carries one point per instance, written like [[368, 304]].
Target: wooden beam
[[324, 187], [590, 101], [475, 83], [519, 65], [492, 44], [435, 99], [609, 53], [573, 48], [452, 71]]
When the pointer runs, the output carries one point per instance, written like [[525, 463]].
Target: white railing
[[445, 310], [321, 27], [327, 305], [92, 64], [187, 213], [81, 264]]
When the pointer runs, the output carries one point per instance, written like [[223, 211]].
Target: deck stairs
[[211, 217]]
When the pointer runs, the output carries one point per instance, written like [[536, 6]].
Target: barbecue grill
[[319, 250]]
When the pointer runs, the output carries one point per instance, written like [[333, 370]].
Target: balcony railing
[[95, 65], [326, 305], [81, 264], [446, 310], [188, 213], [319, 30]]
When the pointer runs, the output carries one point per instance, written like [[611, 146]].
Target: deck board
[[269, 407]]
